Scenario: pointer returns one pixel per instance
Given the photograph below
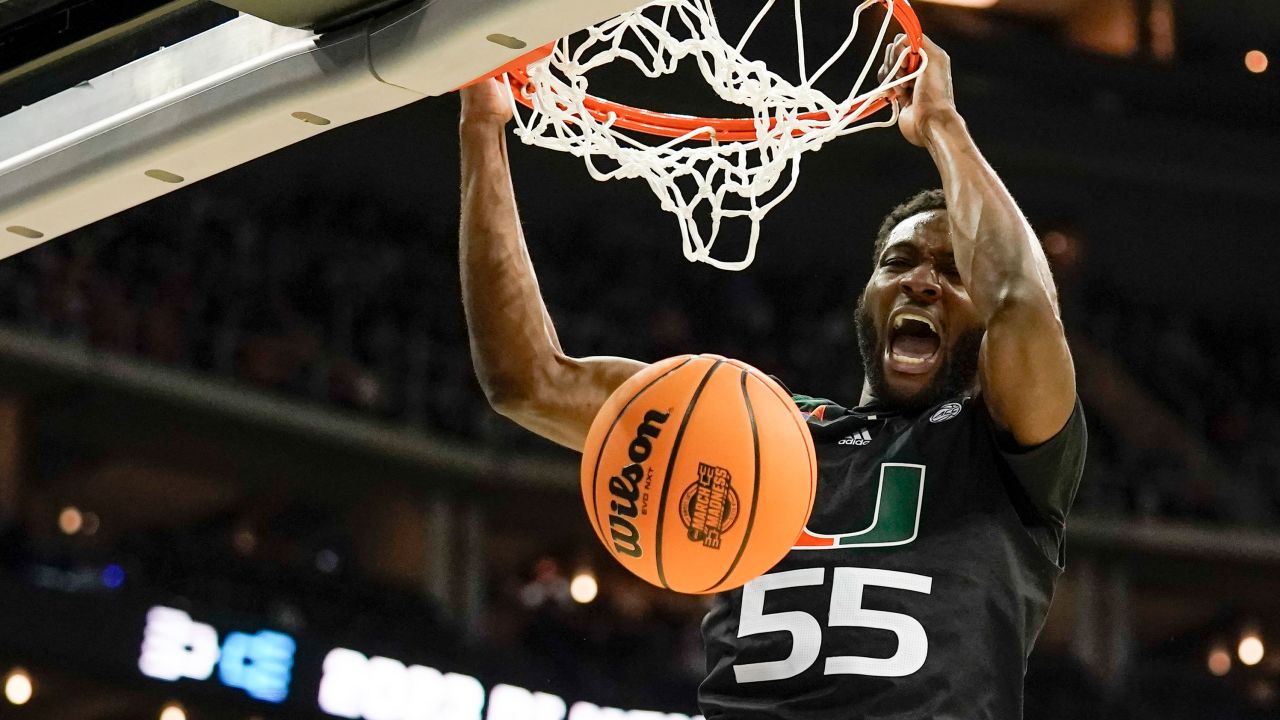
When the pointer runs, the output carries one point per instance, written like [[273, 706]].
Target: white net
[[701, 178]]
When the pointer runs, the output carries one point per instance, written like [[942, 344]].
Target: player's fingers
[[888, 68], [890, 57], [887, 65], [895, 63], [901, 49]]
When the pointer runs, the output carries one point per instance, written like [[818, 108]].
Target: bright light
[[1250, 649], [173, 711], [18, 688], [70, 520], [1219, 661], [379, 688], [112, 576], [583, 589], [508, 702], [1256, 61], [976, 4], [260, 664], [174, 646]]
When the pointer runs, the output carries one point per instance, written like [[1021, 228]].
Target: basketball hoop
[[708, 169]]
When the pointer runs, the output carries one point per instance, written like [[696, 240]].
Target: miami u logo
[[895, 521]]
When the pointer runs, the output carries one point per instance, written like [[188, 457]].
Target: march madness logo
[[709, 507]]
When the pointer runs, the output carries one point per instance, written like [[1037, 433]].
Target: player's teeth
[[898, 321], [909, 360]]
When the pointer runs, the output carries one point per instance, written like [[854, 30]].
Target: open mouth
[[914, 343]]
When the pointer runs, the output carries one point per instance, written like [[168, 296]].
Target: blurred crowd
[[1184, 406], [356, 306]]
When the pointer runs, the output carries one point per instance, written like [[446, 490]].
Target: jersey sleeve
[[1050, 473], [808, 404]]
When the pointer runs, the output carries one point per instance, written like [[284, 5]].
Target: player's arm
[[1025, 369], [517, 356]]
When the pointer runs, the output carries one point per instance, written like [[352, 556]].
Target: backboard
[[245, 88]]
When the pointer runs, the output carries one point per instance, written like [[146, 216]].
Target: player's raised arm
[[1025, 366], [517, 356]]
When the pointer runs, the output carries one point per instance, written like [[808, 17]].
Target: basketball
[[699, 474]]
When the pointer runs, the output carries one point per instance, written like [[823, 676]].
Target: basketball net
[[705, 170]]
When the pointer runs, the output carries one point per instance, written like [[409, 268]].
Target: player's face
[[918, 330]]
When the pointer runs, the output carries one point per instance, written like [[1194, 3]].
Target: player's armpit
[[566, 397], [1050, 473]]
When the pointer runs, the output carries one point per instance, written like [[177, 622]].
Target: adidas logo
[[862, 437]]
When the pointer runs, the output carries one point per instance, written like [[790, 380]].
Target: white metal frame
[[240, 91]]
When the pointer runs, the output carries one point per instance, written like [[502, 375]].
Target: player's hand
[[486, 102], [928, 97]]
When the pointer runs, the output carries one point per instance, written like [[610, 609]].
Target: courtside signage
[[177, 647], [358, 687]]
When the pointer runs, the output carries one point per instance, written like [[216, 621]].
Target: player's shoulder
[[818, 410], [961, 417], [809, 404], [811, 407]]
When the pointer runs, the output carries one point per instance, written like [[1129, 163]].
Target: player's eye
[[896, 262]]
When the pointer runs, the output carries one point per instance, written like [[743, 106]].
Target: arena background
[[240, 421]]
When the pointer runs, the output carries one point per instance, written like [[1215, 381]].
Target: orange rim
[[519, 65], [721, 129]]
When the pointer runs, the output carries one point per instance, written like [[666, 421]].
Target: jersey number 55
[[846, 611]]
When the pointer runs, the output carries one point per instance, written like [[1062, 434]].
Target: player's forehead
[[925, 232]]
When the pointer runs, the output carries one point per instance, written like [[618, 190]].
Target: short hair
[[922, 202]]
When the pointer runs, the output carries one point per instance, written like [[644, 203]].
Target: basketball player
[[929, 562]]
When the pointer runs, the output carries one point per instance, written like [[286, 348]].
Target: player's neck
[[868, 396]]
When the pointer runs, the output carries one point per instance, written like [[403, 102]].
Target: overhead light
[[112, 576], [1256, 61], [975, 4], [17, 687], [583, 588], [1219, 661], [328, 561], [70, 520], [1250, 649], [173, 711], [244, 541]]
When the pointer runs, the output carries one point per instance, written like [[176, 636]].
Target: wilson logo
[[709, 507], [625, 486]]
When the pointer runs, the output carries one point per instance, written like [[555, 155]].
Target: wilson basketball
[[699, 474]]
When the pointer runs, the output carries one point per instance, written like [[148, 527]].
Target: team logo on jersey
[[895, 520], [946, 412], [709, 507], [862, 437], [818, 413]]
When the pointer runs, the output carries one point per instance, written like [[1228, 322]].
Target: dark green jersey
[[920, 584]]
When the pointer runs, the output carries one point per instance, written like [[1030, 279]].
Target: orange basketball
[[699, 474]]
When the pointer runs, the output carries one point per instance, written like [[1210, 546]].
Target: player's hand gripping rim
[[929, 96], [486, 102]]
